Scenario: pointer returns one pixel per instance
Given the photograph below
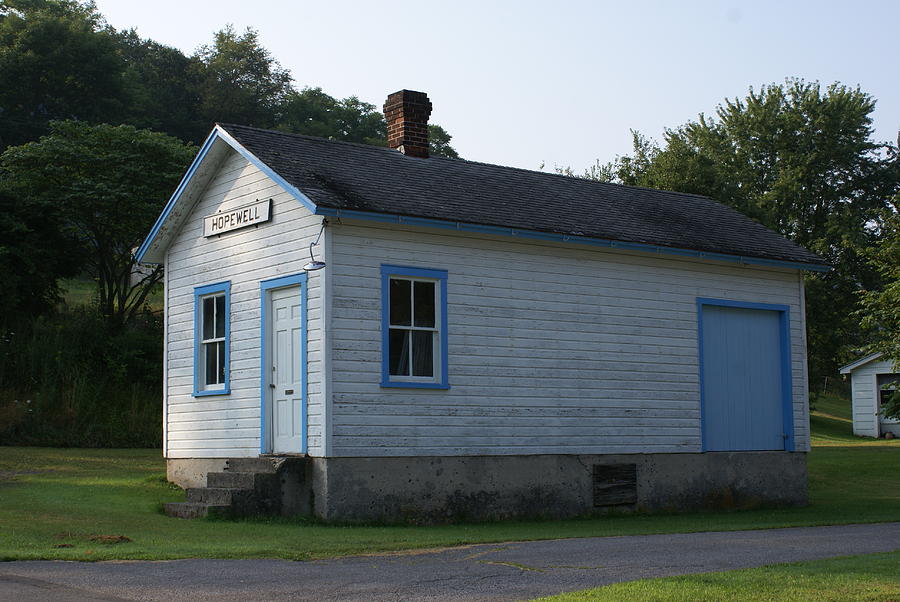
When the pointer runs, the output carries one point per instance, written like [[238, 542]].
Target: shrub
[[69, 379]]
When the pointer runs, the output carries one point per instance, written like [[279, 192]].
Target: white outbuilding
[[872, 379], [401, 336]]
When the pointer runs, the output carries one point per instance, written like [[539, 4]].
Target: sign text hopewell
[[248, 215]]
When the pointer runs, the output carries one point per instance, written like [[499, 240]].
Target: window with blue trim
[[211, 341], [414, 327]]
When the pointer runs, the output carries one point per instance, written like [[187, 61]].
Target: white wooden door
[[286, 353]]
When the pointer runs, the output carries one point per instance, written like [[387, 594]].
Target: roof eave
[[152, 250], [860, 362], [569, 238]]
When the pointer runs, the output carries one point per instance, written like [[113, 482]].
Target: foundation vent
[[615, 485]]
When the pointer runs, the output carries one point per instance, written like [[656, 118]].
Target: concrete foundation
[[190, 473], [478, 488]]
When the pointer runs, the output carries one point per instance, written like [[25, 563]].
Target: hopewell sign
[[241, 217]]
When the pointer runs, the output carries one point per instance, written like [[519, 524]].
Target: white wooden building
[[483, 341], [872, 379]]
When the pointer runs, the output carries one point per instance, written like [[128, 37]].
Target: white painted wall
[[553, 348], [229, 425], [863, 383]]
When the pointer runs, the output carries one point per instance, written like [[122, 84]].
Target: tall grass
[[68, 379]]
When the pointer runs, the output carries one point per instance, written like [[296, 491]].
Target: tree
[[106, 184], [439, 142], [162, 88], [239, 81], [800, 160], [880, 310], [314, 113], [34, 255], [58, 60]]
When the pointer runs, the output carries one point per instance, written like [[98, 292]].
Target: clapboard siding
[[553, 348], [229, 425], [864, 387]]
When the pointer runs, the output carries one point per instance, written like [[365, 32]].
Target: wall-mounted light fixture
[[314, 265]]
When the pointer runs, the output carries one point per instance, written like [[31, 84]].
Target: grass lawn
[[831, 424], [867, 577], [83, 291], [74, 503]]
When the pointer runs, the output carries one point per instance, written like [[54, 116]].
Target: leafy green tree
[[439, 142], [801, 160], [34, 255], [880, 310], [162, 88], [314, 113], [58, 60], [106, 184], [239, 81]]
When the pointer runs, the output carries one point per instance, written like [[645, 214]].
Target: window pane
[[424, 308], [399, 352], [210, 361], [221, 364], [423, 353], [220, 317], [400, 302], [208, 318]]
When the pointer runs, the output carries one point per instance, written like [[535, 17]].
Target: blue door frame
[[265, 286], [787, 397]]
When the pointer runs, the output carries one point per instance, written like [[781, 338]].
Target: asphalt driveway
[[509, 571]]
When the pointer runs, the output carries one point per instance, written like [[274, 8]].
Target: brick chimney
[[406, 113]]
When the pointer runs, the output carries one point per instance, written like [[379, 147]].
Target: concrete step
[[215, 495], [194, 510], [231, 480], [250, 465]]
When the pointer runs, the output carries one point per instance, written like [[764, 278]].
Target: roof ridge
[[308, 137], [471, 162]]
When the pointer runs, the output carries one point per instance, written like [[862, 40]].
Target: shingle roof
[[358, 177]]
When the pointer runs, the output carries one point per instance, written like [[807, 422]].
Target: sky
[[562, 83]]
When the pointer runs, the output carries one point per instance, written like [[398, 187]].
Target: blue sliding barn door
[[742, 379]]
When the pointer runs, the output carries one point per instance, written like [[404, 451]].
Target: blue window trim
[[202, 291], [265, 445], [787, 385], [396, 270]]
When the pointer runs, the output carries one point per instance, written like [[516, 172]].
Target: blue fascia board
[[173, 200], [218, 133], [201, 291], [787, 385], [265, 446], [288, 187], [559, 237], [387, 271]]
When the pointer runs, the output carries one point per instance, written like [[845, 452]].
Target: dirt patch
[[8, 476], [109, 539], [96, 538]]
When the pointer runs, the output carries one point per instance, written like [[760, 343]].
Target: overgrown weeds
[[70, 379]]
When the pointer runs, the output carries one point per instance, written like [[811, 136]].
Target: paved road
[[510, 571]]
